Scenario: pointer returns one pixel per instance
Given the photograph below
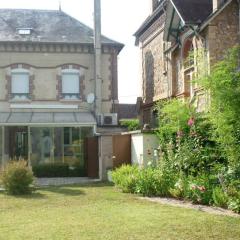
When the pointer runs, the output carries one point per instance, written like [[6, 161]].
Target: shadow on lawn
[[34, 195], [64, 190]]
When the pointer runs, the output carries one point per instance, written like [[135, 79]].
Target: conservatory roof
[[46, 118]]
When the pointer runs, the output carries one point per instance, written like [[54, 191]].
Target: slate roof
[[193, 11], [47, 26], [127, 111]]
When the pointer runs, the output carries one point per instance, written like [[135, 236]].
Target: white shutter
[[20, 83], [70, 83]]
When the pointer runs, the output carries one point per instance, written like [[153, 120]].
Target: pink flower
[[191, 121]]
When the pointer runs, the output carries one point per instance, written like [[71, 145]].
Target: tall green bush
[[185, 139], [223, 85]]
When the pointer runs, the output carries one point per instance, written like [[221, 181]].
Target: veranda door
[[18, 142]]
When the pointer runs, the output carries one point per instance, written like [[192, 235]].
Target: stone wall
[[223, 32], [154, 71], [45, 68]]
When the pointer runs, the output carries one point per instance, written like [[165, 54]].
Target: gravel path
[[184, 204]]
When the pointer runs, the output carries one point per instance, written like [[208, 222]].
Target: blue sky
[[120, 19]]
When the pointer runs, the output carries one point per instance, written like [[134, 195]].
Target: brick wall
[[223, 32]]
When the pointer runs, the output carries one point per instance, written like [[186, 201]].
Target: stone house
[[47, 85], [171, 38]]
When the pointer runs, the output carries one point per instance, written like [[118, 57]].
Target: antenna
[[60, 6]]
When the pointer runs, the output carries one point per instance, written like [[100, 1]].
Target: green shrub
[[131, 125], [234, 204], [126, 177], [223, 85], [51, 170], [17, 178], [180, 188], [154, 182], [220, 198], [200, 190]]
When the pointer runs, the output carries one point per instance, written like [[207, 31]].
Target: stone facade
[[155, 65], [222, 32], [167, 68], [45, 63]]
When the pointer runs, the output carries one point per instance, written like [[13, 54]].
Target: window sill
[[20, 100], [71, 100]]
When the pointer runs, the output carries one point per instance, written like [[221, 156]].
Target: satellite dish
[[90, 98]]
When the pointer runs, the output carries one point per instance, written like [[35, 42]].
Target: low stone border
[[185, 204]]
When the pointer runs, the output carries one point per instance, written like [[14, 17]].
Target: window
[[24, 31], [70, 84], [20, 84]]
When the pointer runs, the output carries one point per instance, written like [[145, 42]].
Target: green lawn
[[100, 212]]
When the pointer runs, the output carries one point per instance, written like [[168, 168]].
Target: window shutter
[[70, 83], [20, 83]]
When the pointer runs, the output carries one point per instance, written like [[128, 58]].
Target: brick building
[[174, 29]]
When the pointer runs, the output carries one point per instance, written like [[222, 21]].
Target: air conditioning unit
[[108, 119]]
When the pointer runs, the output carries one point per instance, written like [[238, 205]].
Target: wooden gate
[[121, 150], [92, 157]]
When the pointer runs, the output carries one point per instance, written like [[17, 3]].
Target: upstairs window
[[20, 84], [70, 84]]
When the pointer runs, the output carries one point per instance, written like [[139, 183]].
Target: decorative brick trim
[[8, 79], [59, 87], [8, 86], [14, 66], [82, 87], [81, 81], [31, 86]]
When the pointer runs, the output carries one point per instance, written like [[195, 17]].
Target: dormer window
[[24, 31]]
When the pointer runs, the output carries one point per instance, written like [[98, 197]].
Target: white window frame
[[20, 95], [71, 95]]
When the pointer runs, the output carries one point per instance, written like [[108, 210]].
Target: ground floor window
[[48, 146]]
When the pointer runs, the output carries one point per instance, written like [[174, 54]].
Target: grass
[[101, 212]]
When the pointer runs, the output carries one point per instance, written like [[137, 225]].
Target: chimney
[[98, 57], [217, 4]]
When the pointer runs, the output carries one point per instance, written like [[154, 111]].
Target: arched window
[[188, 53]]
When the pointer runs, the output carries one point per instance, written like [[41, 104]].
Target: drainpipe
[[238, 21], [97, 57]]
